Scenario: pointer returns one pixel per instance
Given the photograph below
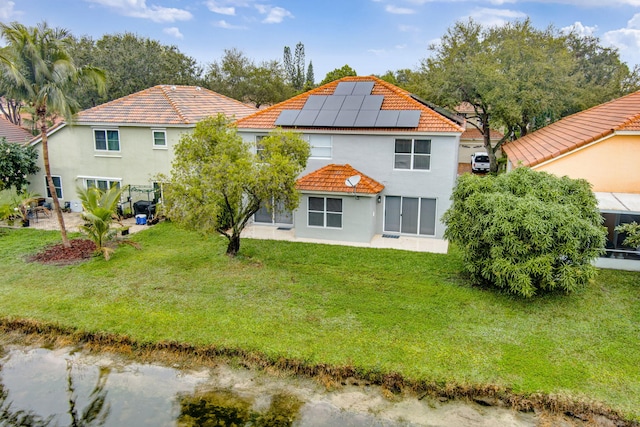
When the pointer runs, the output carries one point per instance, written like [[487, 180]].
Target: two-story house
[[383, 163], [128, 141]]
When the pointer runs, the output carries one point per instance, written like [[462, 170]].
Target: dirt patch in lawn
[[58, 254]]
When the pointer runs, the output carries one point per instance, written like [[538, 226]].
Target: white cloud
[[399, 10], [377, 52], [495, 17], [6, 10], [409, 29], [216, 7], [579, 29], [275, 15], [224, 24], [139, 9], [626, 40], [174, 32]]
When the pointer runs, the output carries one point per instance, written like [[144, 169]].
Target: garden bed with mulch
[[80, 250]]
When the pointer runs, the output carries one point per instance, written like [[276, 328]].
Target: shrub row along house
[[601, 145], [382, 161]]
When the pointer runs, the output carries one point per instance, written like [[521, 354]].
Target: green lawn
[[379, 310]]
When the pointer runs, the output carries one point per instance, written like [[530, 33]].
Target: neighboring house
[[601, 145], [128, 141], [383, 163], [13, 133], [472, 140]]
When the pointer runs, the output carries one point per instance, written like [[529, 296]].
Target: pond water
[[68, 387]]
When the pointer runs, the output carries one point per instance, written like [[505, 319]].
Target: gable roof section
[[13, 133], [474, 133], [331, 179], [395, 99], [575, 131], [165, 104]]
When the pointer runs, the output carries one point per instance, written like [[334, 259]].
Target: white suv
[[480, 162]]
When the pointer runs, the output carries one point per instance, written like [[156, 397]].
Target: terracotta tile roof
[[474, 133], [622, 114], [331, 178], [395, 98], [165, 104], [13, 133]]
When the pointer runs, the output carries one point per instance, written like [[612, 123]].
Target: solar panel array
[[351, 105]]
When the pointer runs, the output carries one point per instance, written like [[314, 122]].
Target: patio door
[[410, 215], [266, 215]]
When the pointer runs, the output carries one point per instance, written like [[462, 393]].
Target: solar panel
[[366, 119], [344, 88], [345, 119], [287, 118], [362, 88], [352, 102], [314, 102], [326, 118], [306, 117], [372, 102], [408, 119], [333, 102], [387, 118]]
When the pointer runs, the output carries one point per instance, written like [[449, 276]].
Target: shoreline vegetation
[[408, 322]]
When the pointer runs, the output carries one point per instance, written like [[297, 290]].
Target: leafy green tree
[[338, 73], [132, 63], [237, 77], [295, 66], [311, 79], [217, 183], [526, 232], [16, 163], [511, 75], [45, 73], [405, 78], [99, 212]]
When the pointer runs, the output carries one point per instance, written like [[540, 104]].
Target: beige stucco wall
[[73, 156], [611, 165]]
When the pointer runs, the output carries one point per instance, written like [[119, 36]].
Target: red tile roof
[[395, 98], [13, 133], [474, 133], [331, 178], [575, 131], [165, 104]]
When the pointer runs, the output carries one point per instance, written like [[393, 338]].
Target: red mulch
[[80, 250]]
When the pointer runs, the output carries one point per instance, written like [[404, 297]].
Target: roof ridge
[[171, 101]]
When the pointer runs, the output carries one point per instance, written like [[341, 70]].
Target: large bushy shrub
[[526, 231]]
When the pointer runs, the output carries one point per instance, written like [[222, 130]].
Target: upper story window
[[413, 154], [159, 138], [107, 139], [321, 146], [260, 147]]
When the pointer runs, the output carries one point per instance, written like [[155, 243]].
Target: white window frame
[[153, 138], [412, 155], [325, 213], [95, 179], [320, 143], [259, 146], [46, 185], [106, 135]]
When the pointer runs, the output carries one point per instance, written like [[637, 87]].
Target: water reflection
[[63, 387]]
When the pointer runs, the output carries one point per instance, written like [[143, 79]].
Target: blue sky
[[371, 36]]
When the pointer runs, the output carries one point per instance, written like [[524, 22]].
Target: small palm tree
[[99, 212], [37, 59]]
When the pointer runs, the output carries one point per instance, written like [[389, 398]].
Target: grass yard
[[379, 310]]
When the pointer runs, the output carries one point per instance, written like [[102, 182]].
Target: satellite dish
[[352, 181]]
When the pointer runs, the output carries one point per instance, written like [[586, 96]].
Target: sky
[[371, 36]]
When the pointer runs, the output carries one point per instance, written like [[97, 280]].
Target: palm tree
[[44, 72]]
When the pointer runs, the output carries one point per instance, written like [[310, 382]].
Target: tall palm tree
[[44, 73]]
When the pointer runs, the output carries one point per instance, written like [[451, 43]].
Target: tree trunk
[[486, 134], [50, 185], [234, 245]]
